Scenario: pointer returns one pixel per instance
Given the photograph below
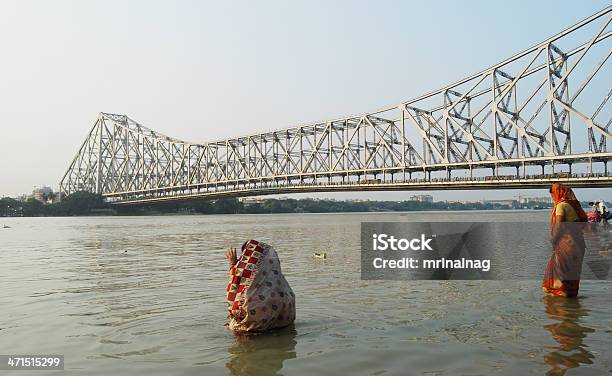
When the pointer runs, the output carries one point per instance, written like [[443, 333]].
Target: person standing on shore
[[603, 210], [562, 275], [259, 297], [593, 216]]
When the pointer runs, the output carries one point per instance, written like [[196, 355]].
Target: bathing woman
[[259, 297], [562, 275]]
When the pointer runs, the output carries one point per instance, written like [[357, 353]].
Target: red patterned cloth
[[258, 295]]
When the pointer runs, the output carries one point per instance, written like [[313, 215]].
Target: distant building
[[508, 203], [251, 200], [422, 198], [21, 198], [57, 197], [43, 194], [534, 200]]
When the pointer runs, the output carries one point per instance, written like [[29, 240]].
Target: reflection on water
[[567, 330], [262, 354]]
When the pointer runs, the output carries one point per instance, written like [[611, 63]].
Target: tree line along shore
[[85, 203]]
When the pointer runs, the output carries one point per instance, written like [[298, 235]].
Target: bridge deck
[[577, 180]]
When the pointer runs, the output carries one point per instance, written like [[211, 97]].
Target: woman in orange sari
[[562, 275]]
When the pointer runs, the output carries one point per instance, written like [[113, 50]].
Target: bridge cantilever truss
[[515, 124]]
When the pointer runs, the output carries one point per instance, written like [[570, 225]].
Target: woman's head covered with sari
[[561, 193], [258, 295]]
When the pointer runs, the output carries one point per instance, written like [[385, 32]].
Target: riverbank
[[89, 204]]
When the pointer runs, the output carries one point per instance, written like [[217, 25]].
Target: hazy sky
[[200, 70]]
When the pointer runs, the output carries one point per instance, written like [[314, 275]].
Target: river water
[[146, 296]]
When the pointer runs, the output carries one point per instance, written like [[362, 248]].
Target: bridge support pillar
[[552, 165]]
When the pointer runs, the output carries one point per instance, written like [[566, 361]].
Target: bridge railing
[[281, 186]]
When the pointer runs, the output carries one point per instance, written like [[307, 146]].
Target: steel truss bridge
[[542, 115]]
